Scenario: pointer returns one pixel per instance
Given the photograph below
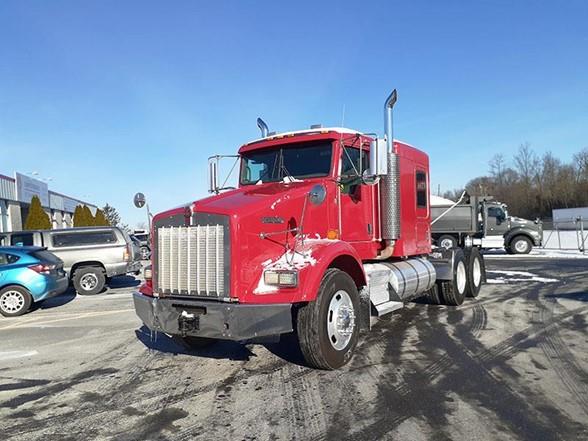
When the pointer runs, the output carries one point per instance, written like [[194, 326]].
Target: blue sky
[[114, 97]]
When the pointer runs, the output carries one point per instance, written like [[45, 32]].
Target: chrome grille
[[191, 260]]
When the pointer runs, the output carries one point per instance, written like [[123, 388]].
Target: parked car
[[143, 237], [90, 255], [28, 275]]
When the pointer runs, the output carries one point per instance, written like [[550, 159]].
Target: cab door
[[355, 198], [496, 222]]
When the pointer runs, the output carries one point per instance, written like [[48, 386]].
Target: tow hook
[[188, 323]]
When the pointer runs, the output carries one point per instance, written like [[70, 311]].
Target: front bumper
[[202, 318]]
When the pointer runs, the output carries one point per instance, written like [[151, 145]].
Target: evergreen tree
[[88, 217], [37, 219], [79, 217], [100, 219], [111, 215]]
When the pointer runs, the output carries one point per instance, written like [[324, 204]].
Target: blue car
[[27, 275]]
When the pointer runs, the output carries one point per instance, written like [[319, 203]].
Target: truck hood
[[520, 222], [254, 198]]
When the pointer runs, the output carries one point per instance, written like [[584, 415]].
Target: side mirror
[[378, 158], [139, 200]]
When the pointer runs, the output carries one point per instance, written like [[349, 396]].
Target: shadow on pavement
[[55, 302], [287, 348], [581, 296], [123, 282], [219, 349]]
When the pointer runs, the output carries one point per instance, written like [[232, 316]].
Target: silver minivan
[[90, 255]]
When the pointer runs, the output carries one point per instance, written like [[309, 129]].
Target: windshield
[[308, 160]]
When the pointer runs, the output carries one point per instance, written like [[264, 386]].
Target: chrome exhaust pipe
[[390, 191], [263, 127]]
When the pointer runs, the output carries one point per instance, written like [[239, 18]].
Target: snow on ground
[[540, 253], [504, 277], [556, 245]]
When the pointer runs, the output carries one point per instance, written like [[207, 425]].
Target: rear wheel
[[432, 296], [89, 280], [476, 271], [453, 291], [14, 301], [520, 245], [447, 241], [328, 328]]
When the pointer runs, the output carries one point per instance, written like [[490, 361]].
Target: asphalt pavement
[[511, 364]]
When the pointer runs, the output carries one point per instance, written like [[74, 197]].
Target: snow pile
[[504, 277], [290, 260], [438, 201]]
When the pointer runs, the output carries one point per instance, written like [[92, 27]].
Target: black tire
[[191, 342], [447, 241], [520, 245], [316, 318], [476, 271], [14, 301], [453, 292], [89, 280], [432, 296]]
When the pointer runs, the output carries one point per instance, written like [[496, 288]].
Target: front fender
[[326, 253], [519, 231], [311, 260]]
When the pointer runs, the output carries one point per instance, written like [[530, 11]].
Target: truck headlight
[[147, 273], [285, 278]]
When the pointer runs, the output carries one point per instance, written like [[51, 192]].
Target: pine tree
[[37, 219], [111, 215], [100, 219], [88, 217]]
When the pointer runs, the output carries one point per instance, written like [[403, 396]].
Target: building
[[15, 197]]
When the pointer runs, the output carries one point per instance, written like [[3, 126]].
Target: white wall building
[[15, 197]]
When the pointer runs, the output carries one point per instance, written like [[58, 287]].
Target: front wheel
[[328, 328], [145, 253], [520, 245], [447, 241], [14, 301]]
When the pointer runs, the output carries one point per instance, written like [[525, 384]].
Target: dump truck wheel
[[447, 241], [328, 328], [453, 292], [476, 271], [520, 245]]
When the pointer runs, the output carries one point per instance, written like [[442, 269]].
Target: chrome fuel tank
[[399, 281]]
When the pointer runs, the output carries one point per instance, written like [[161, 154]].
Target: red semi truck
[[328, 228]]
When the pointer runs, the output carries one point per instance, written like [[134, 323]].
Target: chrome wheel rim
[[477, 272], [521, 246], [460, 276], [340, 320], [12, 301], [88, 282]]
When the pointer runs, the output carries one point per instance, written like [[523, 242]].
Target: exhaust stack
[[390, 191], [263, 127]]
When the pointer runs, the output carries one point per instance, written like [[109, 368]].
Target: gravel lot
[[512, 364]]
